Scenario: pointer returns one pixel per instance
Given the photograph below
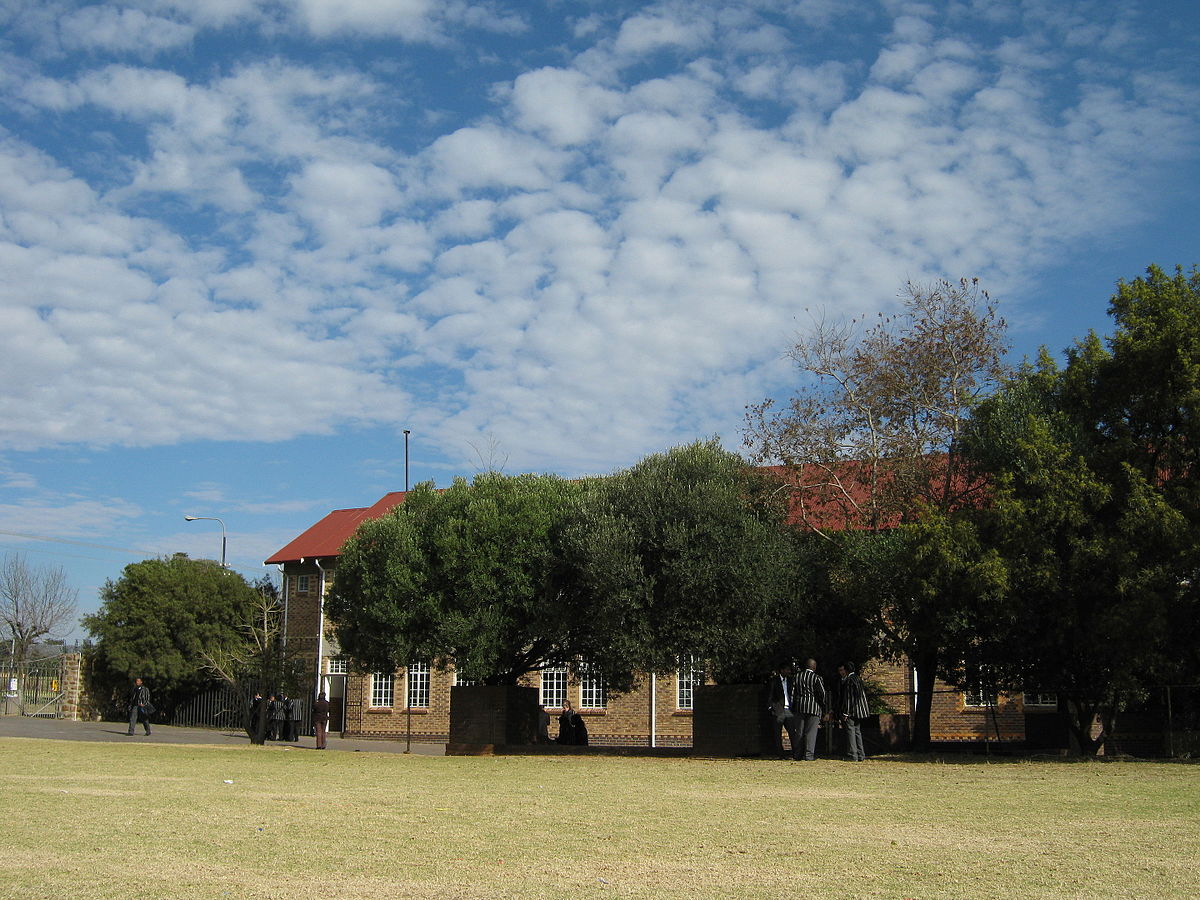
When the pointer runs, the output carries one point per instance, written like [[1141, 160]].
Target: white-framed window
[[690, 674], [383, 690], [338, 665], [302, 583], [462, 681], [979, 692], [593, 694], [554, 687], [418, 685], [1040, 698]]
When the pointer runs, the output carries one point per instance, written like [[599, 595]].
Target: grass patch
[[97, 820]]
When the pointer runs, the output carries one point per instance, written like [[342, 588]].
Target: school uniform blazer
[[809, 698], [854, 698]]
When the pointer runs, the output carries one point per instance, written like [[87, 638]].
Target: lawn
[[140, 820]]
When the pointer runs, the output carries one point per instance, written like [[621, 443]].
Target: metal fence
[[228, 708]]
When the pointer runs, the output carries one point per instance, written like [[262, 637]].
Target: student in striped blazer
[[809, 703], [854, 708]]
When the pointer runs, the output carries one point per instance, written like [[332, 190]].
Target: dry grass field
[[140, 820]]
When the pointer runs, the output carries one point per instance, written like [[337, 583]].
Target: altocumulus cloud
[[589, 236]]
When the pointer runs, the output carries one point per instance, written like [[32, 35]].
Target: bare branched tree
[[872, 432], [35, 603], [253, 652], [490, 457]]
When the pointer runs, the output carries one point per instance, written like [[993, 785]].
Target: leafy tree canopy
[[688, 552], [162, 617], [1094, 508], [469, 573]]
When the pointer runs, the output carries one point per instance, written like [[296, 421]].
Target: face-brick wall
[[628, 719]]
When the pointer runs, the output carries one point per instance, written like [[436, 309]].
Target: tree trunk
[[1080, 716], [925, 665]]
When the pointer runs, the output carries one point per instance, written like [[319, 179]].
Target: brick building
[[415, 701]]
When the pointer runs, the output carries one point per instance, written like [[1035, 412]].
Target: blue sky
[[243, 244]]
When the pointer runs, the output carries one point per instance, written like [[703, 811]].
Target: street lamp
[[212, 519]]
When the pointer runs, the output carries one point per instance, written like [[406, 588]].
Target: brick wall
[[626, 720]]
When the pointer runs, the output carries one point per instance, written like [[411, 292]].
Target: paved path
[[64, 730]]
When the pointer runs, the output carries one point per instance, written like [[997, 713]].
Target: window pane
[[690, 674], [418, 685], [381, 689], [593, 694], [554, 686]]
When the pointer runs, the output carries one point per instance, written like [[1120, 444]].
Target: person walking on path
[[854, 708], [780, 693], [140, 706], [320, 717], [809, 705]]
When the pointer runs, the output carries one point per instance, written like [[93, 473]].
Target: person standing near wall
[[320, 717], [854, 708], [140, 706], [809, 706], [781, 690]]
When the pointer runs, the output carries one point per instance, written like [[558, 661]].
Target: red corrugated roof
[[327, 536]]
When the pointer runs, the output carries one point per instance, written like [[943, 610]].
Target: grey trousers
[[854, 741], [133, 719], [809, 725]]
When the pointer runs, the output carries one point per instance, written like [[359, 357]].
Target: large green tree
[[688, 552], [472, 573], [871, 442], [164, 619], [1095, 509]]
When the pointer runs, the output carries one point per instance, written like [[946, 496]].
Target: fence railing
[[228, 708]]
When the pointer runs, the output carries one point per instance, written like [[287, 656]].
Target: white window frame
[[302, 584], [975, 697], [383, 690], [552, 692], [593, 692], [459, 681], [1038, 698], [416, 685], [338, 665], [689, 674]]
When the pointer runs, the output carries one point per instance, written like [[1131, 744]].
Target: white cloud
[[121, 31], [566, 106], [609, 258], [411, 20]]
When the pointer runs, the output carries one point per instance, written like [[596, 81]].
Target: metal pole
[[408, 707], [220, 522], [1170, 726], [408, 668]]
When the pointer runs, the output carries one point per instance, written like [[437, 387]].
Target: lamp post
[[406, 434], [212, 519], [408, 668]]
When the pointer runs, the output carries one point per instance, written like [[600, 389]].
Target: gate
[[36, 687]]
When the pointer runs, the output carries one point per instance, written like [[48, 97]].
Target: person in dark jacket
[[809, 705], [581, 733], [291, 718], [566, 724], [257, 726], [274, 718], [140, 707], [781, 690], [320, 717], [854, 708]]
